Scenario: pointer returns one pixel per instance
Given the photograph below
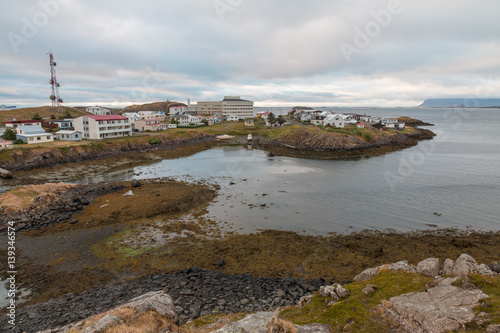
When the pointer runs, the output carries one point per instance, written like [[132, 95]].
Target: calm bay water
[[456, 175]]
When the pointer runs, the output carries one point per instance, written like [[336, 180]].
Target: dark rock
[[136, 183], [73, 221], [495, 266]]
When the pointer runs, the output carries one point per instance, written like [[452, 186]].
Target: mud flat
[[159, 228]]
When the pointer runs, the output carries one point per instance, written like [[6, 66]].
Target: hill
[[156, 106], [43, 111], [461, 102]]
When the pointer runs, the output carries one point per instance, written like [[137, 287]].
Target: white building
[[31, 134], [152, 115], [150, 125], [98, 110], [334, 120], [178, 109], [193, 119], [103, 127], [233, 117], [182, 119], [132, 116], [234, 105], [67, 135]]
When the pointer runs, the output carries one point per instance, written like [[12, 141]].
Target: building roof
[[31, 129], [23, 122], [234, 99], [107, 117], [67, 132]]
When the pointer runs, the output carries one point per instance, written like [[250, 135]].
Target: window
[[48, 137], [39, 138]]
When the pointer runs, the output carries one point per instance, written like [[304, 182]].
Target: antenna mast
[[55, 98]]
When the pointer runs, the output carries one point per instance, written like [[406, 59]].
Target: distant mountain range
[[461, 102]]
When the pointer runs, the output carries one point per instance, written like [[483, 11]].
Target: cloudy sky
[[275, 52]]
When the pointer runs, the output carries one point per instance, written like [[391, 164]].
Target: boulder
[[403, 266], [443, 308], [369, 289], [466, 265], [341, 291], [155, 300], [495, 266], [304, 300], [367, 274], [429, 267], [448, 267], [103, 324], [270, 322], [328, 291]]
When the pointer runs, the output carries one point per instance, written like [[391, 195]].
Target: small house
[[360, 125], [149, 125], [31, 134], [233, 118], [98, 110], [249, 123], [67, 135]]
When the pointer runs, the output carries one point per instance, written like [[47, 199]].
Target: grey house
[[66, 135]]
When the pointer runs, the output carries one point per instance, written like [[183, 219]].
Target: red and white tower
[[55, 98]]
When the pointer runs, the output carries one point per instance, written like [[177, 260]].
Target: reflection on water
[[456, 175]]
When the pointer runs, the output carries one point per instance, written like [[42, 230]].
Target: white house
[[103, 127], [150, 125], [152, 115], [233, 118], [132, 116], [67, 135], [334, 120], [31, 134], [182, 119], [177, 109], [305, 116], [98, 110], [318, 117], [360, 125], [193, 119]]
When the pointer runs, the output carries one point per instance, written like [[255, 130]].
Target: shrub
[[154, 141], [9, 135], [19, 142]]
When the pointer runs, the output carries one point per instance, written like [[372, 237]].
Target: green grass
[[491, 287], [358, 308]]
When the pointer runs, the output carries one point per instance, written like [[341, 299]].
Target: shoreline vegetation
[[117, 237], [290, 140]]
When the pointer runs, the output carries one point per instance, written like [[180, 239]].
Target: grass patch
[[357, 310], [491, 287]]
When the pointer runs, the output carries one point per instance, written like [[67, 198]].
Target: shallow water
[[450, 181], [456, 175]]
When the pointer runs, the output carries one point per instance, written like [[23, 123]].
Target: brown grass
[[278, 324], [22, 197]]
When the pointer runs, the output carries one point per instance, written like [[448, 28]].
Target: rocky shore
[[309, 144], [55, 206], [195, 293], [28, 159]]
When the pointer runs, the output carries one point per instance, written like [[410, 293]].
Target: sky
[[275, 52]]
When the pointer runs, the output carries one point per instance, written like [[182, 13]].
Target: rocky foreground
[[448, 302]]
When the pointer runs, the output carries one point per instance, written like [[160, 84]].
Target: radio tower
[[56, 100]]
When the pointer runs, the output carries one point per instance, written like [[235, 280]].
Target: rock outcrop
[[53, 206], [442, 308]]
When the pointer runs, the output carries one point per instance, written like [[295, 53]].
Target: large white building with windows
[[235, 106], [98, 110], [103, 127]]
